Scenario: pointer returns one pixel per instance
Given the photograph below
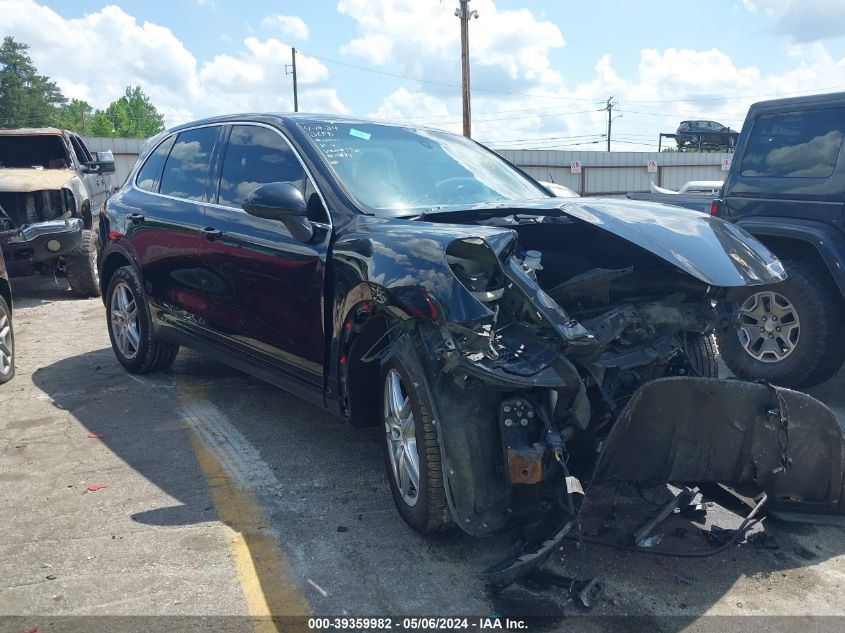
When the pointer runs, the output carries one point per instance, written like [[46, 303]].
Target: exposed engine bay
[[577, 325]]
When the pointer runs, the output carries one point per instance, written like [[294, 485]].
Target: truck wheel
[[701, 353], [412, 452], [7, 343], [81, 267], [130, 327], [786, 333]]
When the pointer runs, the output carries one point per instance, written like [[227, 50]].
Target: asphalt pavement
[[204, 492]]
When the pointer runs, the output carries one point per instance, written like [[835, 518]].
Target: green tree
[[100, 125], [76, 116], [26, 98], [133, 115]]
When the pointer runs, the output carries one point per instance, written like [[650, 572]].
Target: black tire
[[6, 321], [430, 513], [819, 351], [81, 267], [702, 355], [150, 354]]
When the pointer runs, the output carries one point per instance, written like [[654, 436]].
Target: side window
[[82, 156], [316, 211], [150, 174], [795, 144], [254, 156], [187, 168]]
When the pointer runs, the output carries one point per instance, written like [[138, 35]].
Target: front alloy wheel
[[411, 448], [401, 438]]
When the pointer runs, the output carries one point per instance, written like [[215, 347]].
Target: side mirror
[[283, 202]]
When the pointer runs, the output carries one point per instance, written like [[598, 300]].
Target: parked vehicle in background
[[786, 186], [7, 332], [559, 191], [705, 135], [51, 191], [697, 195], [413, 279]]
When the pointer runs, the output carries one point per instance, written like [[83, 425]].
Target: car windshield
[[393, 170], [38, 150]]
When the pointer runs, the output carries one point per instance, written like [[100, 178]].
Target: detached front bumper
[[23, 248], [699, 430]]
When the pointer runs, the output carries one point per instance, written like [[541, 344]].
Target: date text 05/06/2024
[[416, 623]]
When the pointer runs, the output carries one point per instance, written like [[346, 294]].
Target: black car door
[[165, 212], [267, 298]]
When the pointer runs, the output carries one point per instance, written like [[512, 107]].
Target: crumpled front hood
[[27, 180], [708, 248]]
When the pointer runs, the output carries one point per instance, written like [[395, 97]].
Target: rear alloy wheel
[[787, 333], [124, 321], [7, 343], [130, 329], [412, 452]]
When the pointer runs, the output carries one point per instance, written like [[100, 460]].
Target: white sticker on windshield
[[359, 134]]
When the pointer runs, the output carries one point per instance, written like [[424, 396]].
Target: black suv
[[413, 279], [786, 187]]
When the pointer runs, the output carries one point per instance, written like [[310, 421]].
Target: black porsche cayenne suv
[[411, 278]]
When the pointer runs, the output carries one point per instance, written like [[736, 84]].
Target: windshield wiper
[[495, 210]]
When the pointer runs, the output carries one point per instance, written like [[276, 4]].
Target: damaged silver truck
[[51, 191], [516, 348]]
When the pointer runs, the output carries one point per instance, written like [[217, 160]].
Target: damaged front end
[[39, 217], [586, 345]]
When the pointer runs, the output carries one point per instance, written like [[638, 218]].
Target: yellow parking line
[[261, 567]]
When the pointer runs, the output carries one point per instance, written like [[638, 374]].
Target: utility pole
[[290, 69], [465, 14], [609, 108]]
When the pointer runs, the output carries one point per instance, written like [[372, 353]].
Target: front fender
[[80, 194], [402, 265], [828, 241]]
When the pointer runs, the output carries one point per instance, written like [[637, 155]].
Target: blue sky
[[541, 68]]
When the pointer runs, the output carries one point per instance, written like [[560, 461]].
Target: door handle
[[211, 233], [135, 218]]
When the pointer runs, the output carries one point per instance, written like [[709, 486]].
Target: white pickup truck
[[51, 191]]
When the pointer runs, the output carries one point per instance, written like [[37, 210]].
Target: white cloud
[[511, 53], [422, 39], [803, 20], [290, 25], [126, 52]]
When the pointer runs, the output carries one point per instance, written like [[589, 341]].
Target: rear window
[[795, 144], [150, 174], [187, 169]]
